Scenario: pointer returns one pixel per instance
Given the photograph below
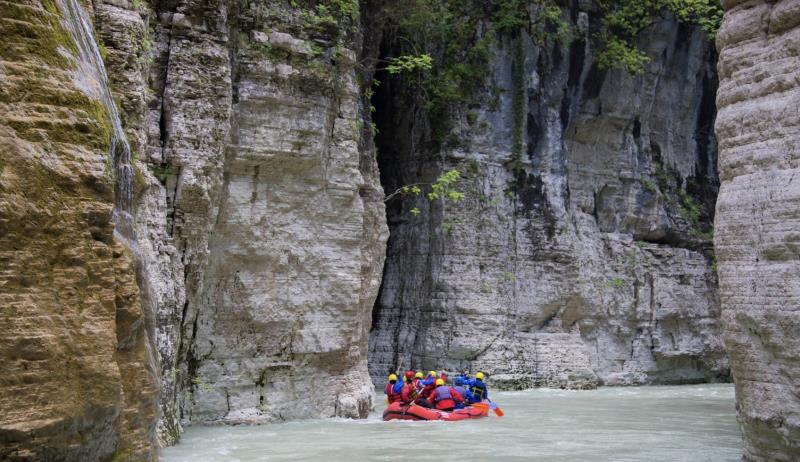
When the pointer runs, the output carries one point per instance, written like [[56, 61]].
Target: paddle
[[499, 412]]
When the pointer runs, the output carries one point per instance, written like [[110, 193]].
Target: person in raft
[[478, 388], [428, 385], [408, 394], [444, 397], [393, 389], [461, 386], [417, 379]]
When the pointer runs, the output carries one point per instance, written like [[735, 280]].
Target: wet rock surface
[[579, 263], [758, 220], [79, 379]]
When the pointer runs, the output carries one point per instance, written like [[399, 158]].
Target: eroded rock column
[[758, 219]]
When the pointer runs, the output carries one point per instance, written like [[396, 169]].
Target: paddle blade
[[499, 412]]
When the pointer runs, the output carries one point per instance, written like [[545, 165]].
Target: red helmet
[[410, 375]]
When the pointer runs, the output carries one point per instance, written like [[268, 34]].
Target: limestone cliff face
[[758, 219], [259, 215], [249, 199], [581, 266], [78, 374]]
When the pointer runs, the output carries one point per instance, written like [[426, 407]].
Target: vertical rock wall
[[259, 211], [582, 266], [257, 214], [758, 220], [78, 380]]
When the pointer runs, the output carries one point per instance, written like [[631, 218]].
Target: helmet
[[432, 373], [459, 381], [392, 378], [418, 375], [479, 376], [439, 382], [409, 375]]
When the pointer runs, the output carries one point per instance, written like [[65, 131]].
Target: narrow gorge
[[207, 211]]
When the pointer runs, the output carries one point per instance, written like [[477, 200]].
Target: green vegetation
[[448, 46], [444, 189], [649, 185], [624, 20], [162, 172], [615, 283], [330, 17], [451, 43], [410, 63]]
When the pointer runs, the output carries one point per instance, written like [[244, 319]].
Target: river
[[660, 423]]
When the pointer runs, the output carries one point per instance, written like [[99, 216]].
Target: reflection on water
[[686, 423]]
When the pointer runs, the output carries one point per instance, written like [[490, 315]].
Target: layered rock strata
[[259, 213], [758, 219], [78, 374], [256, 222], [585, 259]]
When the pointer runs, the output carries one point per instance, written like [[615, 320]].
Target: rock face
[[79, 379], [758, 220], [589, 260], [259, 215], [249, 200]]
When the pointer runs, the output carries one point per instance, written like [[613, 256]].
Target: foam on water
[[687, 423]]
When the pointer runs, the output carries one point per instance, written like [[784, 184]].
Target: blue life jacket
[[396, 388], [479, 390]]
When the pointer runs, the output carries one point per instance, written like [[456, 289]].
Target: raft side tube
[[399, 411]]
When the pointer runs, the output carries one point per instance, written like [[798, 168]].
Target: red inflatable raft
[[398, 411]]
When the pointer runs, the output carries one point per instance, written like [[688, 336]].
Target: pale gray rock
[[580, 268], [259, 212], [758, 220]]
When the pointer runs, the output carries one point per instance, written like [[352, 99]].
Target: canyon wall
[[260, 213], [584, 259], [758, 220], [247, 199], [79, 379]]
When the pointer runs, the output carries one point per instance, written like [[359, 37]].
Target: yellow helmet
[[479, 376], [418, 375], [432, 373], [439, 382], [392, 377]]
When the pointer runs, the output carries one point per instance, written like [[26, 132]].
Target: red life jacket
[[390, 394], [408, 393], [427, 390]]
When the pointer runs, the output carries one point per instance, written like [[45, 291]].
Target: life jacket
[[391, 395], [428, 385], [465, 393], [478, 389], [408, 393], [444, 397]]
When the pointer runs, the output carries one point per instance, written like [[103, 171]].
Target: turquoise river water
[[663, 423]]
